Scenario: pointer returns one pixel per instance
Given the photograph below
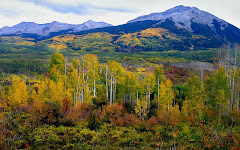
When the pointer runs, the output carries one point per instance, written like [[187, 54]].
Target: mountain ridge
[[47, 28], [182, 16], [179, 28]]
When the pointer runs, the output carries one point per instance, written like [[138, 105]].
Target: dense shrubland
[[85, 104]]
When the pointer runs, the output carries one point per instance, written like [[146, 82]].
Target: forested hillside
[[26, 56], [85, 104]]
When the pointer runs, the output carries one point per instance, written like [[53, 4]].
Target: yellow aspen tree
[[50, 91], [159, 73], [18, 94], [76, 82], [130, 87], [115, 71], [37, 103], [93, 67], [185, 111], [42, 91], [166, 95], [141, 108], [148, 84], [87, 95], [167, 112], [195, 98], [56, 91]]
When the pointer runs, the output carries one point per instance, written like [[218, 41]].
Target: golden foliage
[[141, 69], [171, 116], [58, 46], [18, 94], [130, 39], [146, 37], [159, 32], [165, 94], [17, 40], [141, 108], [64, 38]]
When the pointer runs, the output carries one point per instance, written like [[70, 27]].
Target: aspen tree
[[166, 95], [18, 94]]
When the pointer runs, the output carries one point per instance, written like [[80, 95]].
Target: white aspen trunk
[[76, 96], [106, 75], [87, 76], [94, 83], [233, 82], [149, 98], [147, 95], [83, 85], [115, 90], [65, 72], [111, 86], [232, 91], [74, 100], [82, 96], [77, 88]]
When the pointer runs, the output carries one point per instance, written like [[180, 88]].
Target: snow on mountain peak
[[183, 17], [46, 29]]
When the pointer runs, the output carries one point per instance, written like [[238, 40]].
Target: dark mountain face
[[201, 36], [122, 29]]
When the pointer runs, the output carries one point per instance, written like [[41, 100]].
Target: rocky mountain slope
[[183, 17]]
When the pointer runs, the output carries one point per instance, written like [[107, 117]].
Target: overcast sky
[[111, 11]]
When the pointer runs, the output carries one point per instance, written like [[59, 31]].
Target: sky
[[115, 12]]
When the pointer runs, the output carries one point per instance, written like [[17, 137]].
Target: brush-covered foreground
[[84, 104]]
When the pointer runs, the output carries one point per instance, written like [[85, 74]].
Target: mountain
[[180, 28], [48, 28], [194, 21], [183, 17], [190, 28], [90, 25]]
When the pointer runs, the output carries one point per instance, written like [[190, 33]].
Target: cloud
[[110, 11], [82, 8], [6, 12], [31, 11]]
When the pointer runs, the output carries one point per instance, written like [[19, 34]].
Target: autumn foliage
[[84, 104]]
